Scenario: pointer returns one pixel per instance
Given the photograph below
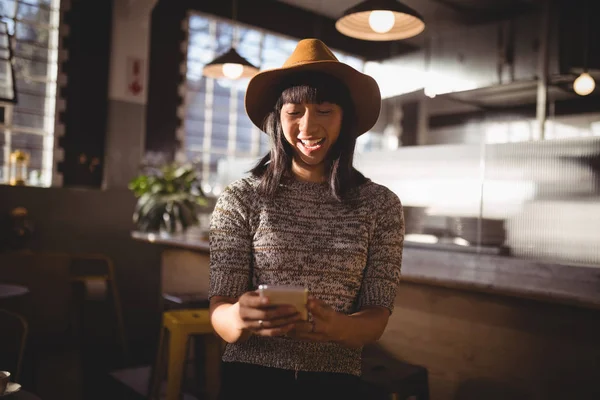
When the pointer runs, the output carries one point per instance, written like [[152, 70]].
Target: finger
[[275, 323], [279, 331], [318, 308], [253, 300], [269, 314], [303, 327]]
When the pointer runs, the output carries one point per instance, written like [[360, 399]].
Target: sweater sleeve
[[382, 274], [230, 245]]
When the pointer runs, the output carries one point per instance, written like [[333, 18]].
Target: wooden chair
[[47, 306], [86, 268], [13, 338], [47, 310]]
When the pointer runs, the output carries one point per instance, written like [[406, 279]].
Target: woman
[[306, 218]]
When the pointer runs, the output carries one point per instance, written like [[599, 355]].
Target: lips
[[311, 142], [311, 145]]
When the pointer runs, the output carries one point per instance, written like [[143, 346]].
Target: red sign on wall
[[135, 76]]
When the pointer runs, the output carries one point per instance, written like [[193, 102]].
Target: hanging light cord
[[234, 32], [586, 35]]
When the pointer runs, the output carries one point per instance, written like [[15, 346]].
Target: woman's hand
[[353, 331], [324, 326], [262, 319]]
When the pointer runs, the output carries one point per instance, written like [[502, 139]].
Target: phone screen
[[288, 295]]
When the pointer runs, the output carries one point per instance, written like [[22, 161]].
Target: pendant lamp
[[230, 65], [380, 20], [585, 84]]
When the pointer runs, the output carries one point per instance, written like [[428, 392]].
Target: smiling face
[[311, 129], [311, 114]]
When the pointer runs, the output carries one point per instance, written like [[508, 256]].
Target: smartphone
[[286, 295]]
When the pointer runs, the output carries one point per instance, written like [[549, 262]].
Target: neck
[[308, 173]]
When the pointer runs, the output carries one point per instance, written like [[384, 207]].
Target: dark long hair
[[316, 88]]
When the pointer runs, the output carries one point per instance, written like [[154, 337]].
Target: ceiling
[[438, 14]]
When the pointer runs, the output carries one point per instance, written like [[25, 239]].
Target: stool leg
[[177, 357], [120, 322], [212, 366], [156, 373]]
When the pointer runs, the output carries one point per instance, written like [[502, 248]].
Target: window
[[34, 27], [216, 125]]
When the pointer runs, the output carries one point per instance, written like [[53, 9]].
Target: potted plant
[[169, 199]]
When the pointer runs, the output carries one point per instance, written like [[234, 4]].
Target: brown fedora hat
[[313, 55]]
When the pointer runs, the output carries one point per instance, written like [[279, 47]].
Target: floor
[[92, 365], [78, 366]]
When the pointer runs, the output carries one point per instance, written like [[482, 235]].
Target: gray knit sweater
[[347, 254]]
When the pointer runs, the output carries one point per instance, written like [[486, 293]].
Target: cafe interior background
[[489, 134]]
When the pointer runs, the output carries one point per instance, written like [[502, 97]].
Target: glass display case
[[534, 199]]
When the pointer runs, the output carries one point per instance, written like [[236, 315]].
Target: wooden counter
[[546, 281], [187, 241]]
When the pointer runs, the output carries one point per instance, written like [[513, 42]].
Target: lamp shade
[[380, 20], [230, 65]]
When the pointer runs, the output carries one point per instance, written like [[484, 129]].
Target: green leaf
[[169, 197]]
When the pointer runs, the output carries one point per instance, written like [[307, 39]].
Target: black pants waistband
[[249, 381]]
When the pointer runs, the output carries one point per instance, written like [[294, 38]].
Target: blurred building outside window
[[34, 26]]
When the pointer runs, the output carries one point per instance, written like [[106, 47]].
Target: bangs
[[314, 88]]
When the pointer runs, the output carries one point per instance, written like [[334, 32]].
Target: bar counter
[[577, 285]]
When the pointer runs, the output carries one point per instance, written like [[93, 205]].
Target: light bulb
[[429, 92], [381, 21], [584, 84], [233, 71]]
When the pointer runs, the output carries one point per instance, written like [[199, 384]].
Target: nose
[[308, 123]]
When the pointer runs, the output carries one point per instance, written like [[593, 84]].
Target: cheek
[[288, 131], [335, 127]]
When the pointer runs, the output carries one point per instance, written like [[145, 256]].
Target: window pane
[[224, 36], [29, 119], [195, 105], [32, 51], [29, 32], [33, 13], [32, 101], [243, 137], [43, 3], [198, 23], [34, 64], [30, 143], [31, 87], [265, 143], [199, 41], [6, 82], [7, 8], [31, 68]]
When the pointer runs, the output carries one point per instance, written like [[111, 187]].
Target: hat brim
[[263, 91]]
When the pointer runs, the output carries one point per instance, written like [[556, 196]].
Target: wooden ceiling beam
[[490, 11]]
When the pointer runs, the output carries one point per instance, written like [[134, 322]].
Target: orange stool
[[181, 324]]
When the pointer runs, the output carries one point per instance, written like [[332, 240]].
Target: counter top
[[495, 274], [577, 285], [190, 241]]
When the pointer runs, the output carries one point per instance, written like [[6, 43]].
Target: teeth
[[311, 142]]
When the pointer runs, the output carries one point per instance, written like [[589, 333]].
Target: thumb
[[317, 307]]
